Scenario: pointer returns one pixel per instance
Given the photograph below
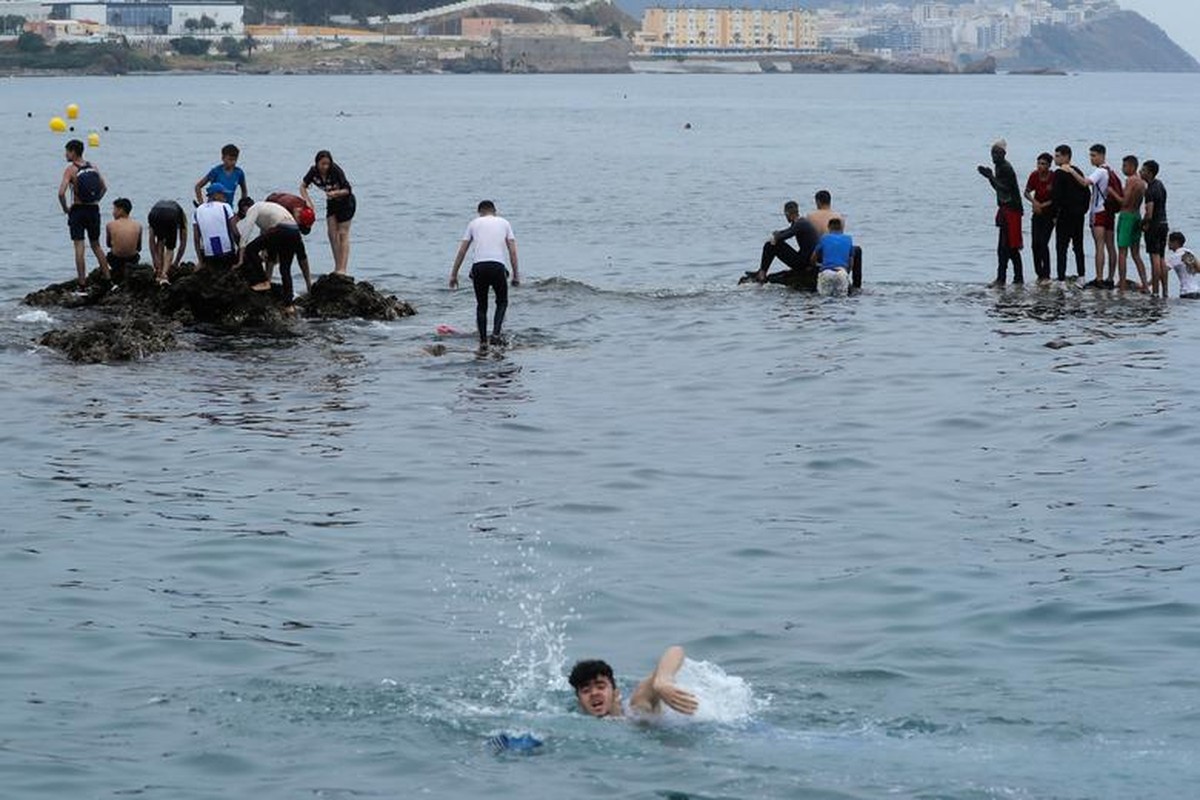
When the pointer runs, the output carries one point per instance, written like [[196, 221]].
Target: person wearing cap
[[1009, 211], [278, 237], [213, 230], [301, 210], [598, 695]]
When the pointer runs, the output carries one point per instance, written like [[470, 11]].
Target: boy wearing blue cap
[[214, 231]]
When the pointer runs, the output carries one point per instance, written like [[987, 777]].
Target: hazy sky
[[1179, 18]]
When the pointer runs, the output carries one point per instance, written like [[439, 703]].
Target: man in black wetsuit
[[800, 259]]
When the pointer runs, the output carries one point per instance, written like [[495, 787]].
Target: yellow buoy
[[73, 111], [58, 124], [93, 139]]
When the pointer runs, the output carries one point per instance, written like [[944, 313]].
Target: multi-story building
[[720, 29]]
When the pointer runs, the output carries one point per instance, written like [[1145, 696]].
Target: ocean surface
[[912, 550]]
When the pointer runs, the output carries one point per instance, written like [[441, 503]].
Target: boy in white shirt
[[492, 239], [1183, 261]]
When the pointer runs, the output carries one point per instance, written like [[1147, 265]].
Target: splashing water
[[724, 698]]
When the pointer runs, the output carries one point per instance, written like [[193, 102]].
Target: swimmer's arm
[[659, 687]]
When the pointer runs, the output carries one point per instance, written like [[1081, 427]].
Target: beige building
[[729, 29]]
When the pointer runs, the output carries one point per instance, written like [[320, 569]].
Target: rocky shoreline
[[139, 318]]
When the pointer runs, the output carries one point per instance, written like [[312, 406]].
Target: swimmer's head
[[823, 198], [596, 688], [791, 209], [835, 224]]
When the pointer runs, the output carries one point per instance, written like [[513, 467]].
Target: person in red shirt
[[1037, 192]]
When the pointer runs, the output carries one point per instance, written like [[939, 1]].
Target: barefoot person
[[340, 205], [799, 260], [1129, 225], [269, 229], [597, 692], [1155, 226], [493, 241], [83, 214], [168, 237], [124, 239]]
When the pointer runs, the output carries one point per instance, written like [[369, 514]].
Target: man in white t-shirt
[[493, 242], [214, 231], [1103, 222], [1184, 262]]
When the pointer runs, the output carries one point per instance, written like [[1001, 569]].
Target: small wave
[[38, 316]]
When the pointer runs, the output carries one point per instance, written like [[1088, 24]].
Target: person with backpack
[[87, 188], [1106, 202]]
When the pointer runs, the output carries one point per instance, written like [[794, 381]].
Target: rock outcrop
[[139, 317]]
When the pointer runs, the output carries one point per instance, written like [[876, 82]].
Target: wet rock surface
[[140, 317]]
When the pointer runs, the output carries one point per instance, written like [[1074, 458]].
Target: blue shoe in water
[[522, 743]]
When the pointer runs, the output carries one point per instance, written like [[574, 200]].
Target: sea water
[[912, 550]]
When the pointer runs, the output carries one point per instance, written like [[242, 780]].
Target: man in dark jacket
[[1009, 211], [1069, 201]]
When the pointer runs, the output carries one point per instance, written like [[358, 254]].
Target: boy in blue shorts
[[87, 186], [227, 174]]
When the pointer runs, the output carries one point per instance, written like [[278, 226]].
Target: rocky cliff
[[1121, 42]]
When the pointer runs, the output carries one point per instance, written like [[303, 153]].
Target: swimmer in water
[[597, 693]]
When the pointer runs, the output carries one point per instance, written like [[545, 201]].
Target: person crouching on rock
[[305, 217], [278, 238], [168, 237], [214, 231], [124, 239]]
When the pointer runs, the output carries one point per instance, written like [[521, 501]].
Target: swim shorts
[[1102, 219], [84, 218], [119, 265], [165, 224], [1156, 238], [1129, 229]]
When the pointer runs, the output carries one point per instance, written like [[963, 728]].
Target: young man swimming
[[598, 695]]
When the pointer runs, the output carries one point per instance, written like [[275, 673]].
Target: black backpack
[[88, 186]]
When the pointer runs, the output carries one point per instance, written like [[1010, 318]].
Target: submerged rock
[[123, 339], [337, 296], [142, 316]]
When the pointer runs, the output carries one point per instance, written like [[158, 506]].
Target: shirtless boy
[[597, 693], [820, 218], [124, 239], [1129, 224]]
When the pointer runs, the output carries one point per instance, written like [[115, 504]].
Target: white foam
[[723, 697], [37, 315]]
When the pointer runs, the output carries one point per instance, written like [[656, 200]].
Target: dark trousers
[[282, 242], [1069, 231], [1043, 226], [489, 275], [1004, 253], [799, 262]]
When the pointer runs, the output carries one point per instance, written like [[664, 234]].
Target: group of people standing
[[255, 237], [1120, 210]]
